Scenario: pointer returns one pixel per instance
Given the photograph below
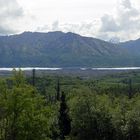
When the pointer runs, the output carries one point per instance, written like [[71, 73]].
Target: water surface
[[59, 69]]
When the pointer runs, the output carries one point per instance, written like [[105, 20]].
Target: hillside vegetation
[[53, 108]]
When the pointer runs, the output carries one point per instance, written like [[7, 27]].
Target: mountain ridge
[[62, 50]]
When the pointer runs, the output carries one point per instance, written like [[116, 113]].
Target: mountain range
[[58, 49]]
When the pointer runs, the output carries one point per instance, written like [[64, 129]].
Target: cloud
[[125, 23], [84, 28], [10, 11], [122, 25], [6, 31], [109, 24], [55, 26], [126, 4]]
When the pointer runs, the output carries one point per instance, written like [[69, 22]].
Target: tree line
[[67, 112]]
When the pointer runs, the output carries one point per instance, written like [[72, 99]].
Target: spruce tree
[[130, 89], [64, 119], [33, 77], [58, 90]]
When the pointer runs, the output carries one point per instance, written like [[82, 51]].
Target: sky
[[117, 20]]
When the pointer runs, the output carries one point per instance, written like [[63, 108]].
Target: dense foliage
[[88, 109]]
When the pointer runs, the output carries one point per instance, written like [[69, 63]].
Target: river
[[72, 68]]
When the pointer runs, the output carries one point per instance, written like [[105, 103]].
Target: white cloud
[[9, 12], [84, 28], [122, 25], [109, 24], [85, 17], [125, 24], [126, 4]]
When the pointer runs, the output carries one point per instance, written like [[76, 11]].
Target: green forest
[[54, 107]]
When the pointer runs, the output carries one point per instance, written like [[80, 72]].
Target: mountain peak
[[58, 49]]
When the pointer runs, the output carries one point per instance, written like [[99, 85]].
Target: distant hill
[[133, 48], [58, 49]]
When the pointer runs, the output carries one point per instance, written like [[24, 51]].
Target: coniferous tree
[[33, 77], [64, 119], [130, 89], [58, 90]]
